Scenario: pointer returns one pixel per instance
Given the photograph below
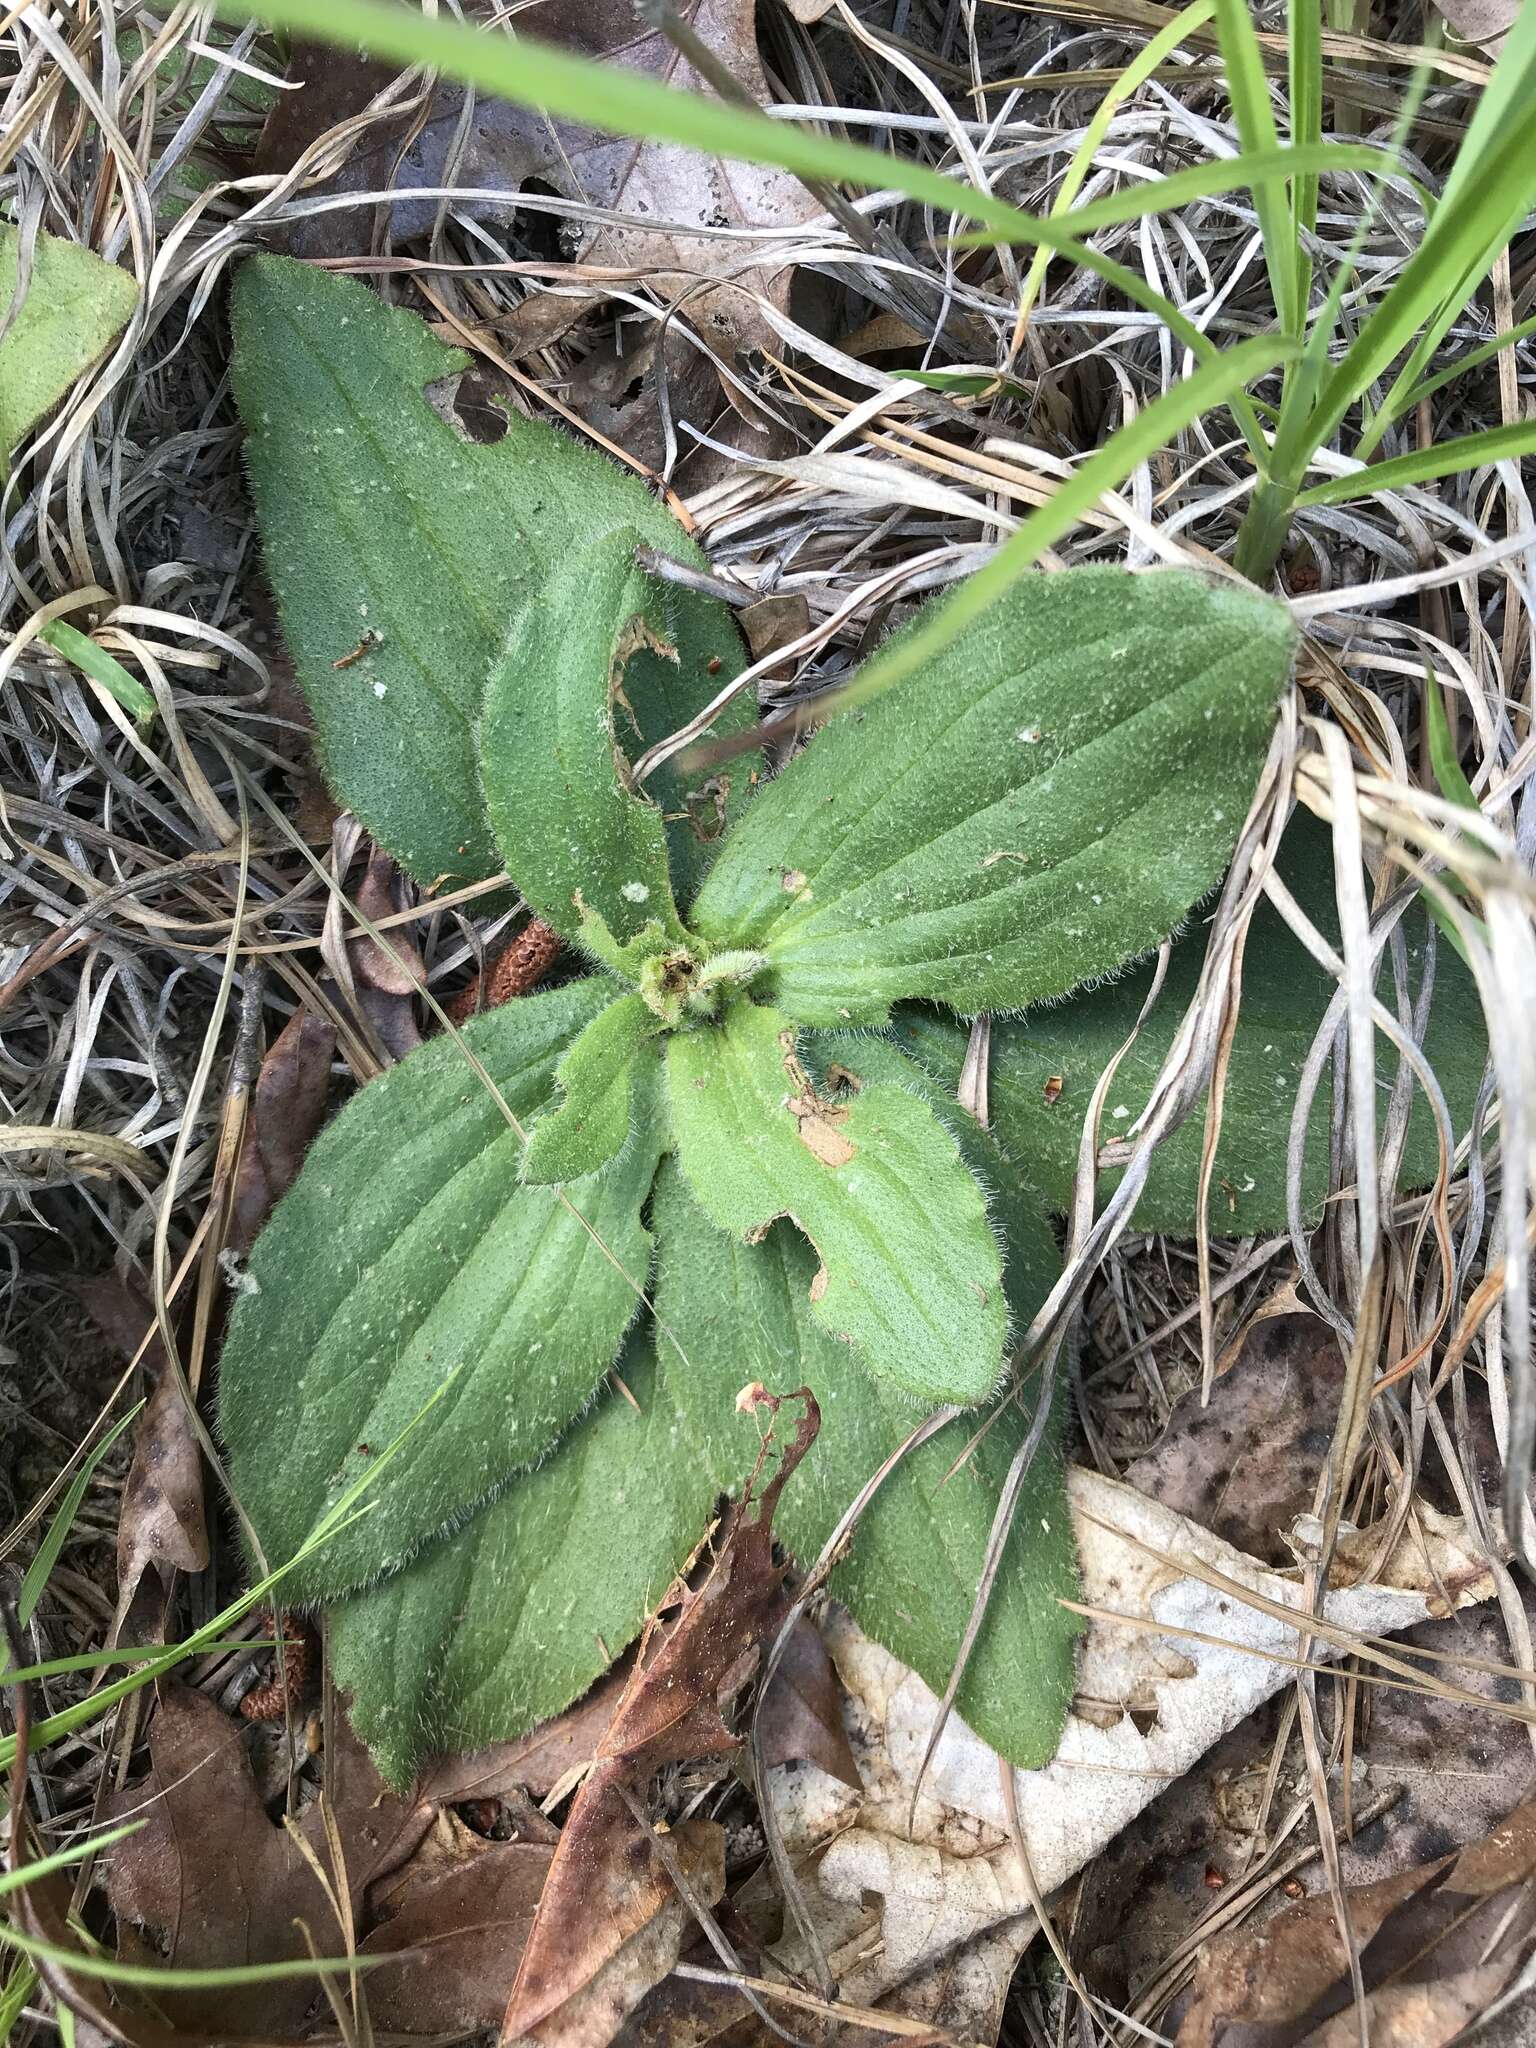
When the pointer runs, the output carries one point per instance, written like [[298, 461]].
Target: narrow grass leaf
[[1248, 86], [41, 1567], [1423, 465], [102, 668]]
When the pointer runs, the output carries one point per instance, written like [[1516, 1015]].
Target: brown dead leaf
[[336, 87], [660, 181], [654, 1922], [801, 1717], [1416, 2015], [537, 1762], [1436, 1944], [218, 1883], [457, 1916], [1246, 1465], [608, 1880], [162, 1521], [381, 990], [287, 1109]]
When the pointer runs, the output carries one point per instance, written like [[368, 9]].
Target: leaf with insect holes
[[590, 1122], [740, 1312], [409, 1282], [553, 740], [401, 553], [1044, 1067], [74, 306], [910, 1271], [1041, 804], [505, 1622]]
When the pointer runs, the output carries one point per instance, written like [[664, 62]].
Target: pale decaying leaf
[[689, 197], [1485, 22], [1178, 1653]]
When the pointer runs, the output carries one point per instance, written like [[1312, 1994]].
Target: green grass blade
[[1449, 773], [1104, 471], [1135, 75], [48, 1550], [102, 668], [62, 1859], [134, 1653], [163, 1978], [14, 1994], [1422, 465], [1248, 86], [1269, 168], [1304, 56], [1506, 97], [1474, 359], [530, 73], [1490, 190], [85, 1711]]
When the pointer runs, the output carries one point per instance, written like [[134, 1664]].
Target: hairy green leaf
[[741, 1312], [402, 553], [591, 1121], [576, 834], [1284, 996], [75, 305], [508, 1620], [1044, 802], [910, 1271], [409, 1262]]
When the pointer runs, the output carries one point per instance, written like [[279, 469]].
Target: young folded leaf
[[407, 1263], [1044, 1067], [591, 1121], [910, 1271], [505, 1622], [741, 1312], [1041, 804], [401, 552], [552, 746]]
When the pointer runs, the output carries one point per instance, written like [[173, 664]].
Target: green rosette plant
[[527, 1271]]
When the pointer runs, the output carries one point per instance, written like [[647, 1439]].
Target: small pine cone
[[517, 969], [269, 1702]]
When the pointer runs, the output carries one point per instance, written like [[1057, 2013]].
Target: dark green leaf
[[403, 552], [1041, 804], [910, 1271], [1284, 997], [508, 1620], [408, 1260]]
